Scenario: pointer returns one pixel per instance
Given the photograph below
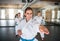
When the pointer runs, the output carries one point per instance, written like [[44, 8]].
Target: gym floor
[[7, 33]]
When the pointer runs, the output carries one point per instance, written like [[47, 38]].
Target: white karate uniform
[[29, 29], [40, 20], [17, 21]]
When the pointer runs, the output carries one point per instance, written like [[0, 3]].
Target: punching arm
[[44, 29]]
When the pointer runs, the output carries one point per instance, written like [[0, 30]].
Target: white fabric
[[29, 29], [40, 20], [17, 21], [42, 35]]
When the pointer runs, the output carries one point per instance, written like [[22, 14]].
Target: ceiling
[[20, 1], [52, 0], [20, 4], [11, 2]]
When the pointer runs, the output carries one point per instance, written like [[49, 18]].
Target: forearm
[[19, 32], [43, 29]]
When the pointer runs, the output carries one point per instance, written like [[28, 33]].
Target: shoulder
[[16, 19], [35, 16], [41, 17], [22, 20]]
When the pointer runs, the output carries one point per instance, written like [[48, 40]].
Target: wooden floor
[[7, 33]]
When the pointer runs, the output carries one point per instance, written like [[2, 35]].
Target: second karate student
[[41, 21], [28, 28], [17, 21]]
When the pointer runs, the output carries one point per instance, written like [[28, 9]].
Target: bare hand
[[19, 32], [44, 29]]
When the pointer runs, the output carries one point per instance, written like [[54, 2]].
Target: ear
[[24, 14]]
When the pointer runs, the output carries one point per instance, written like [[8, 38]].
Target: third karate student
[[41, 21]]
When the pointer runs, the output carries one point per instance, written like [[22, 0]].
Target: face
[[28, 14], [18, 15], [39, 14]]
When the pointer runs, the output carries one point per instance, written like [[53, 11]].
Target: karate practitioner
[[17, 21], [41, 21], [28, 28]]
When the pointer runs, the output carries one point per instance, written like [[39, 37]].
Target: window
[[58, 15], [43, 13], [2, 13], [11, 13], [53, 15]]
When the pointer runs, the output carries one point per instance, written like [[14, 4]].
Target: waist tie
[[27, 39]]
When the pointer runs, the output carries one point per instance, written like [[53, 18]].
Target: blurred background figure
[[41, 21], [17, 21]]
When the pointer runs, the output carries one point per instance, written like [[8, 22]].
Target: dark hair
[[16, 15], [39, 12], [28, 8]]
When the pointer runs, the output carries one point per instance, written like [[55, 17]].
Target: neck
[[27, 20], [39, 15]]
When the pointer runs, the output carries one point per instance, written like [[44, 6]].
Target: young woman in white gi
[[28, 28], [41, 21], [17, 21]]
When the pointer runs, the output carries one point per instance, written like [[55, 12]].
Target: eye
[[30, 13], [27, 13]]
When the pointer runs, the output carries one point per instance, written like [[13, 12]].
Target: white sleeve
[[19, 26], [43, 21], [16, 19], [36, 27], [35, 18]]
